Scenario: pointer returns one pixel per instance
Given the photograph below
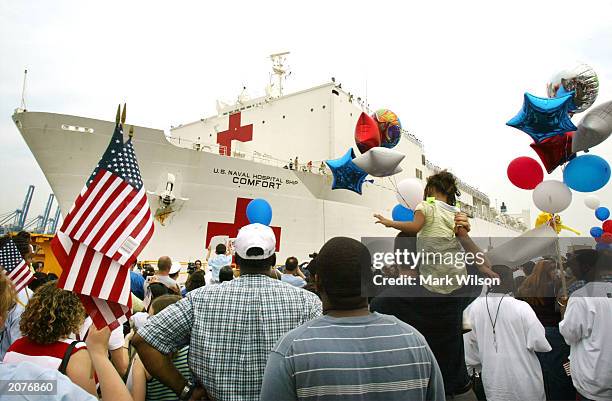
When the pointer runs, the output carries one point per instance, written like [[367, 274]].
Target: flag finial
[[131, 131], [118, 114], [124, 113]]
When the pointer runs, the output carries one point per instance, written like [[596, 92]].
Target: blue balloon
[[596, 232], [602, 246], [347, 175], [602, 213], [586, 173], [542, 118], [402, 213], [259, 211]]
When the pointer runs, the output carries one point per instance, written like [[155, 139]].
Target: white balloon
[[552, 196], [410, 192], [380, 162], [594, 128], [592, 201]]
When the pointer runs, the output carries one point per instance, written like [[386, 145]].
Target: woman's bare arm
[[111, 385], [139, 380], [80, 371]]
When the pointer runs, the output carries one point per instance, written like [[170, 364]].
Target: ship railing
[[412, 138], [317, 166], [462, 184]]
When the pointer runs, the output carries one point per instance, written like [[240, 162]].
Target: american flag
[[105, 230], [16, 269]]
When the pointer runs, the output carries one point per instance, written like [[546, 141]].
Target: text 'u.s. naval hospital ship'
[[202, 175]]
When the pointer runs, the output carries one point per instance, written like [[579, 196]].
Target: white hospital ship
[[201, 175]]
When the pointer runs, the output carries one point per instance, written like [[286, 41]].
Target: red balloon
[[555, 150], [525, 173], [606, 238], [607, 226], [367, 135]]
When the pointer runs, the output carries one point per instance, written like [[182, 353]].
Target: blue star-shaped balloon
[[542, 118], [346, 174]]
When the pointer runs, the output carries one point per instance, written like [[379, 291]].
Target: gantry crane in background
[[54, 221], [17, 220]]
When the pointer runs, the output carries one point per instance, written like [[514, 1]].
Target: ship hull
[[304, 207]]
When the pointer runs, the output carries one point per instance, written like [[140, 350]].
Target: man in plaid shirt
[[230, 328]]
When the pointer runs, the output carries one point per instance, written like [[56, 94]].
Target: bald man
[[165, 275]]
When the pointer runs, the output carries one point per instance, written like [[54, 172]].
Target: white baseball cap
[[175, 268], [255, 236]]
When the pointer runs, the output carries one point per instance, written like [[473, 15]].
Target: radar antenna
[[279, 71]]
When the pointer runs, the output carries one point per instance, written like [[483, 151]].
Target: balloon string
[[382, 186], [559, 259], [394, 183]]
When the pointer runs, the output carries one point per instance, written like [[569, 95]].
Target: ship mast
[[279, 71], [22, 107]]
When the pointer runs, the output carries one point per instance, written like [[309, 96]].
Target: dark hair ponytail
[[445, 183]]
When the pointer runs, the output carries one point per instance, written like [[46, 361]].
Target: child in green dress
[[434, 226]]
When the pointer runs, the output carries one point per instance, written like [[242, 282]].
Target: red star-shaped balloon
[[555, 150]]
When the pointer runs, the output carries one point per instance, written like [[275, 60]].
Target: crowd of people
[[257, 331]]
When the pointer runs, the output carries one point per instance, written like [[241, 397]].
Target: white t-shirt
[[115, 341], [139, 320], [587, 328], [511, 372]]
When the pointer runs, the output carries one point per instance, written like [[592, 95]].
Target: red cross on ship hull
[[234, 132], [240, 220]]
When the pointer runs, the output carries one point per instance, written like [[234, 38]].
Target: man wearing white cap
[[230, 328]]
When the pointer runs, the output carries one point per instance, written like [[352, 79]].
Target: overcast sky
[[453, 72]]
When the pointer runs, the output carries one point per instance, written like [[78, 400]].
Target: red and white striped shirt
[[44, 355]]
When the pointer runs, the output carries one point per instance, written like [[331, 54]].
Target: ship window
[[311, 109], [419, 174], [423, 159], [263, 121], [335, 92], [283, 117], [351, 114], [76, 128], [323, 106]]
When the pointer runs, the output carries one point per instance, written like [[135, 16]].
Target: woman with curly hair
[[51, 317]]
